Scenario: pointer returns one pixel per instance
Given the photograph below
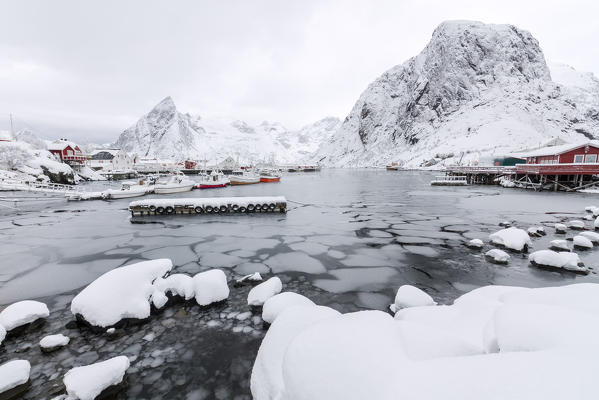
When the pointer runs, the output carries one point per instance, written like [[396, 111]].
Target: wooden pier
[[209, 205], [568, 177]]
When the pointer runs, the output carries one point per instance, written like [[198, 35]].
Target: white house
[[111, 159]]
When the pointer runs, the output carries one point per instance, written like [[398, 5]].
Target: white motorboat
[[214, 180], [245, 179], [128, 189], [176, 184]]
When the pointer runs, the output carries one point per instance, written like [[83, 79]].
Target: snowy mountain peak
[[166, 133], [475, 89]]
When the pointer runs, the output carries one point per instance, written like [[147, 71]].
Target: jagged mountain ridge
[[476, 90], [167, 133]]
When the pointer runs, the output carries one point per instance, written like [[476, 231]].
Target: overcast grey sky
[[89, 69]]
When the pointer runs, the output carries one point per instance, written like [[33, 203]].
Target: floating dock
[[209, 205]]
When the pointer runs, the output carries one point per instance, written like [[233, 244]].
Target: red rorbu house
[[67, 152], [568, 166]]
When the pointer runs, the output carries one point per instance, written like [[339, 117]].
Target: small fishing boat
[[269, 176], [214, 180], [393, 167], [176, 184], [128, 189], [245, 179]]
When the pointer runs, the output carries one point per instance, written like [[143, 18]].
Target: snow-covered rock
[[262, 292], [2, 333], [267, 375], [592, 236], [509, 341], [255, 277], [275, 305], [475, 244], [561, 228], [582, 242], [177, 285], [12, 374], [594, 210], [536, 231], [511, 238], [411, 296], [210, 287], [497, 256], [87, 382], [22, 313], [51, 343], [124, 292], [166, 133], [560, 260], [576, 224], [476, 91], [559, 244], [596, 225]]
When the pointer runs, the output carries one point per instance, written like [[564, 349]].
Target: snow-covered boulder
[[511, 238], [561, 228], [177, 285], [2, 333], [267, 374], [559, 244], [275, 305], [12, 375], [576, 224], [249, 278], [536, 231], [210, 287], [581, 242], [559, 260], [22, 313], [487, 337], [596, 224], [497, 256], [592, 236], [259, 294], [51, 343], [87, 382], [475, 244], [594, 210], [410, 296], [124, 292]]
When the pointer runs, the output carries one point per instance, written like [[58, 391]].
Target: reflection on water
[[350, 238]]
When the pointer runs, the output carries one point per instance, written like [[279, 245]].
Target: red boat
[[211, 185], [268, 178]]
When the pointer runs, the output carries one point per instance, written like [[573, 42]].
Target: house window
[[591, 158], [579, 158]]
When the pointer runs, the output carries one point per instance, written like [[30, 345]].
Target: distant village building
[[189, 164], [67, 152], [582, 153], [111, 159]]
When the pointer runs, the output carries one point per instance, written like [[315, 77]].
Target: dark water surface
[[349, 240]]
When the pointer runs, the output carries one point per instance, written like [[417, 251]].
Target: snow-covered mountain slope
[[475, 91], [167, 133]]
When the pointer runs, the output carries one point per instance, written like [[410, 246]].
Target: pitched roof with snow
[[61, 145], [554, 150]]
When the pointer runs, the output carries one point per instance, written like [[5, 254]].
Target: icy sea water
[[349, 240]]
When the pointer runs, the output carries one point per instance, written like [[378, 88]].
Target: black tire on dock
[[264, 207], [223, 209], [235, 208], [242, 209], [209, 209], [152, 208], [199, 210], [215, 210], [272, 206], [160, 210], [251, 207], [169, 209]]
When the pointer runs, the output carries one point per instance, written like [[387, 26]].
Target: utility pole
[[11, 129]]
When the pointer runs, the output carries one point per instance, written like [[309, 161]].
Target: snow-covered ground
[[87, 382]]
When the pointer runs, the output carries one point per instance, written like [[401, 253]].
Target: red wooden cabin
[[66, 152], [565, 159]]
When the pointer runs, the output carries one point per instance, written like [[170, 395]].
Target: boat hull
[[270, 179], [122, 194], [212, 185], [172, 189]]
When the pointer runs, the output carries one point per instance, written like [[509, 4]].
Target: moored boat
[[270, 178], [127, 190], [176, 184], [393, 167], [245, 179], [214, 180]]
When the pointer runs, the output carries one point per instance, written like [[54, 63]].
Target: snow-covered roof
[[554, 150], [61, 145]]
